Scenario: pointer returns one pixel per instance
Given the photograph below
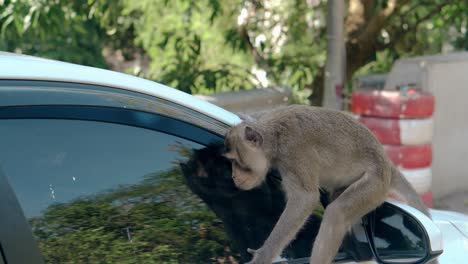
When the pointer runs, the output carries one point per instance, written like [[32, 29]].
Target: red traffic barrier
[[410, 157], [410, 103]]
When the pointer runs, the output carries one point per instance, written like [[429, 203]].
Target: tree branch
[[401, 33], [244, 34], [361, 48], [375, 25]]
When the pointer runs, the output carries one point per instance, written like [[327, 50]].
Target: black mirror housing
[[397, 235]]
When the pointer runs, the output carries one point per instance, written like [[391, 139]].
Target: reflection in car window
[[1, 257], [398, 236], [102, 192]]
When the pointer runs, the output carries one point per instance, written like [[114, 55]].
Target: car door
[[108, 175]]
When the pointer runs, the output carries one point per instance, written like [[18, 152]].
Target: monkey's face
[[243, 146]]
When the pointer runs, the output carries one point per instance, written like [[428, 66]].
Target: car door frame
[[17, 243]]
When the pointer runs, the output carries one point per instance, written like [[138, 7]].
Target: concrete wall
[[446, 76], [449, 84]]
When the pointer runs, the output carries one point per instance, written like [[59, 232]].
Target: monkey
[[247, 224], [314, 148]]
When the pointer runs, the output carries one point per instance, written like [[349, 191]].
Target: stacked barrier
[[402, 121]]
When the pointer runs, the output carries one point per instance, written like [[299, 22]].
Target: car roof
[[23, 67]]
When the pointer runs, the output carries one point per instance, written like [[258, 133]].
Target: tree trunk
[[363, 27], [317, 85]]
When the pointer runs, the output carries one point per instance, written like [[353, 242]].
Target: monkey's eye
[[234, 162], [226, 149], [227, 146]]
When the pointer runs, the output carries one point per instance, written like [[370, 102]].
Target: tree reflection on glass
[[155, 221], [160, 220]]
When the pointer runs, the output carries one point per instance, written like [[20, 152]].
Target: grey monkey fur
[[314, 148]]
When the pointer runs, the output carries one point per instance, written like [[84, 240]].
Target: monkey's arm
[[300, 205]]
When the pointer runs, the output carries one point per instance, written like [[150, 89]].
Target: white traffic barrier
[[420, 179], [400, 131]]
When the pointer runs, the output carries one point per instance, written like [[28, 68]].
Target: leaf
[[216, 9], [18, 25], [7, 23]]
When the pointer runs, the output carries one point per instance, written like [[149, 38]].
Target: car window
[[406, 242], [104, 192]]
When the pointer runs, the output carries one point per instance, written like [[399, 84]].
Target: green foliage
[[185, 43], [142, 223], [205, 46], [382, 64], [425, 28], [299, 96], [51, 29]]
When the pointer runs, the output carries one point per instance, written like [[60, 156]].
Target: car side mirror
[[398, 233]]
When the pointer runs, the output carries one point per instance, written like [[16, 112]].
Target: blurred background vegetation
[[206, 46]]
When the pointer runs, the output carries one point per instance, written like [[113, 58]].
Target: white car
[[102, 167]]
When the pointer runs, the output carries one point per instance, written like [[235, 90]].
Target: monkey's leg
[[357, 200], [300, 205]]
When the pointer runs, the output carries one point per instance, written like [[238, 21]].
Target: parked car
[[102, 167]]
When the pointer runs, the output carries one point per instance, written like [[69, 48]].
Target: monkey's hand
[[259, 256]]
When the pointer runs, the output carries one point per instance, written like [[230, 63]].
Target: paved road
[[455, 202]]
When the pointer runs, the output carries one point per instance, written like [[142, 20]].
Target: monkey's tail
[[403, 189]]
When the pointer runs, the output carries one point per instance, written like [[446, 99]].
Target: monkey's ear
[[253, 136]]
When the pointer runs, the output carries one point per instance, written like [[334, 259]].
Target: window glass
[[101, 192], [398, 238]]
